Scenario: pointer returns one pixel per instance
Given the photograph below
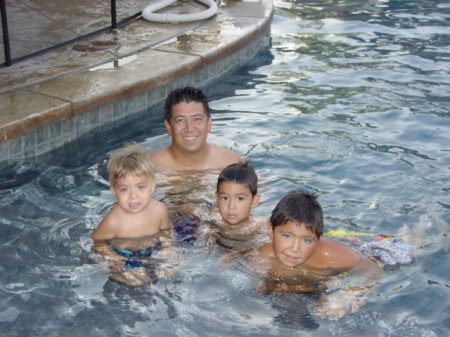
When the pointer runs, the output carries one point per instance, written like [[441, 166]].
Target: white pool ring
[[148, 12]]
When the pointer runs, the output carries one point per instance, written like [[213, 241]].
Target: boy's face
[[293, 245], [133, 193], [189, 126], [235, 202]]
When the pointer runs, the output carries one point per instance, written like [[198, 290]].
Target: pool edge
[[65, 115]]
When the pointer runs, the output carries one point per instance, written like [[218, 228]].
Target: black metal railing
[[6, 44], [9, 60]]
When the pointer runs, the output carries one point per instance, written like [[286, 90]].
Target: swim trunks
[[133, 256], [134, 253]]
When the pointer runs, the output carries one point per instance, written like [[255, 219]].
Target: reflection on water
[[351, 101], [188, 187]]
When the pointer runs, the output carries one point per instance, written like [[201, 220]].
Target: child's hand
[[118, 266], [166, 273], [133, 277]]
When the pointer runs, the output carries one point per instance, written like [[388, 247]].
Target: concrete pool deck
[[53, 98]]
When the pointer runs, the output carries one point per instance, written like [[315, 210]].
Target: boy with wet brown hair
[[236, 196], [300, 259]]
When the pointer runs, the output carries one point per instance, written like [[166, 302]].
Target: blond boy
[[129, 232]]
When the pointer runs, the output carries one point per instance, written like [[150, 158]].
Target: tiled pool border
[[50, 137]]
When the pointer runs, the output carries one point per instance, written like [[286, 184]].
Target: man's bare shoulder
[[223, 150], [222, 156], [162, 158], [159, 154], [217, 157]]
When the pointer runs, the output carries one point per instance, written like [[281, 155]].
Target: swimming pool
[[351, 101]]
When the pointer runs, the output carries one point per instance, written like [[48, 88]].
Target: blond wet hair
[[132, 159]]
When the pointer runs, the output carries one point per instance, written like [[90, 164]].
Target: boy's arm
[[260, 263], [164, 216], [106, 230], [165, 227], [368, 268], [339, 257], [104, 248], [351, 292]]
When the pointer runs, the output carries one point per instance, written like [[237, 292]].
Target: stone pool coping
[[43, 108]]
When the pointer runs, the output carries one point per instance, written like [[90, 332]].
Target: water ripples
[[350, 102]]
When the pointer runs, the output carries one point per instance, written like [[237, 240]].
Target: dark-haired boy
[[300, 259]]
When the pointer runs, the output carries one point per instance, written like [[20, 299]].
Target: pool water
[[351, 101]]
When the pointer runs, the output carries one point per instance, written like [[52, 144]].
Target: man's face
[[189, 126]]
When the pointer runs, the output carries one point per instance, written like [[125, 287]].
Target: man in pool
[[188, 121]]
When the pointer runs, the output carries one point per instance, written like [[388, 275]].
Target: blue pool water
[[351, 101]]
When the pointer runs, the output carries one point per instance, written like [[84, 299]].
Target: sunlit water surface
[[351, 102]]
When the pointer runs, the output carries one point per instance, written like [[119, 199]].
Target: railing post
[[113, 14], [6, 46]]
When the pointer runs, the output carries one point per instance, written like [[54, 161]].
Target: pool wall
[[40, 117]]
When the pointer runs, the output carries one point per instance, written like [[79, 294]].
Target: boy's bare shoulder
[[159, 205], [265, 251], [108, 227], [332, 254], [159, 209], [332, 245]]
